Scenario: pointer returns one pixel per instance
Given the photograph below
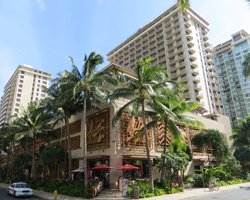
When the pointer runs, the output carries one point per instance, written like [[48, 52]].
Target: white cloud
[[41, 4]]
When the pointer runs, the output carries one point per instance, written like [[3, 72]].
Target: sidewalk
[[114, 195]]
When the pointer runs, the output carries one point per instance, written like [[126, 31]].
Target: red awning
[[102, 166], [128, 167]]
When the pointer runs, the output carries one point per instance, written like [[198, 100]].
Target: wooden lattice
[[129, 128], [160, 136], [98, 127]]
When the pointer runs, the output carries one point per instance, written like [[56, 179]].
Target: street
[[4, 196], [236, 194]]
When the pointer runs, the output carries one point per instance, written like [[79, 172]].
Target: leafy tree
[[212, 140], [93, 88], [140, 93], [33, 122]]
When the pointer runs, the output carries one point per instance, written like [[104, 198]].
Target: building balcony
[[213, 80], [192, 58], [191, 51], [197, 87], [184, 79], [199, 95], [188, 31], [194, 64], [183, 72], [212, 74], [189, 37], [205, 37], [211, 68], [195, 71], [210, 61], [190, 43], [187, 24], [196, 79]]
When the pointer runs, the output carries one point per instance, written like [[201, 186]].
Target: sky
[[43, 33]]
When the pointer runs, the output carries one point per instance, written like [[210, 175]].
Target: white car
[[19, 189]]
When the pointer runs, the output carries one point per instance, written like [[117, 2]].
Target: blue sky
[[43, 33]]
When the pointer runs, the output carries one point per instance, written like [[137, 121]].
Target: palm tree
[[246, 65], [184, 4], [63, 105], [169, 109], [241, 142], [32, 122], [241, 136], [92, 87], [213, 140], [140, 92], [7, 144]]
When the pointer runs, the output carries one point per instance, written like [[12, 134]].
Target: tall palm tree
[[241, 136], [63, 105], [170, 109], [93, 87], [246, 65], [32, 122], [184, 4], [140, 93]]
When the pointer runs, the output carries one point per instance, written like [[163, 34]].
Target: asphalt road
[[236, 194], [4, 196]]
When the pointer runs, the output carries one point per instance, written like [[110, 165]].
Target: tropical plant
[[34, 122], [63, 105], [213, 140], [241, 133], [52, 156], [241, 142], [140, 93], [169, 108], [7, 145], [184, 4], [93, 87], [246, 65]]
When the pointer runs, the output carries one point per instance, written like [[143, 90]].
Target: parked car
[[19, 189]]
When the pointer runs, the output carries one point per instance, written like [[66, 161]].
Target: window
[[22, 72], [17, 100], [20, 85], [19, 95], [21, 76], [20, 81], [19, 90], [16, 109]]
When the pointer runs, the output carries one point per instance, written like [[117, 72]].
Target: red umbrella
[[128, 167], [102, 166]]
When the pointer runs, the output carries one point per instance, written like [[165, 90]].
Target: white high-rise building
[[179, 42], [25, 85]]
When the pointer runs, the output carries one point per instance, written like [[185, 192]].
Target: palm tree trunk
[[85, 153], [151, 179], [69, 147], [165, 136], [33, 170]]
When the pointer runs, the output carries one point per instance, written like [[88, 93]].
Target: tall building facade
[[25, 85], [179, 42], [234, 86]]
